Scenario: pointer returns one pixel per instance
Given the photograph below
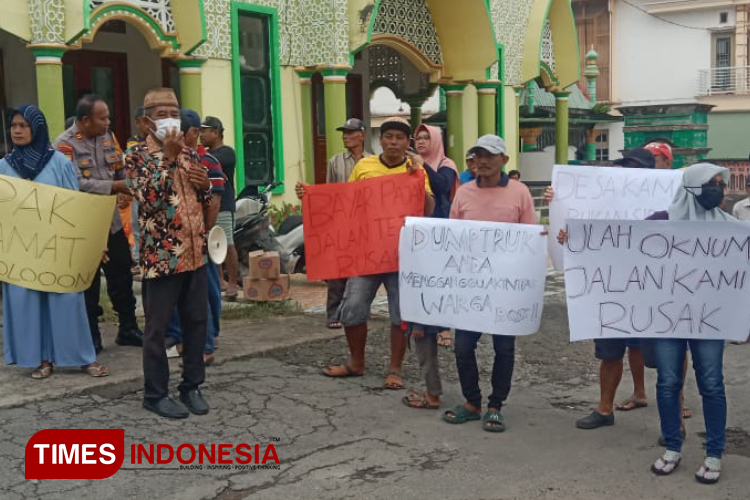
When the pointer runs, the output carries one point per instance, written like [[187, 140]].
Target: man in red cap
[[662, 154]]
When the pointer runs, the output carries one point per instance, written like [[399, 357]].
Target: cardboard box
[[265, 290], [264, 265]]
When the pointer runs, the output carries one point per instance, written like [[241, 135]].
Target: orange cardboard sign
[[352, 228]]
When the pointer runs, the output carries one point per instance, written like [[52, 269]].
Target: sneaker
[[595, 420]]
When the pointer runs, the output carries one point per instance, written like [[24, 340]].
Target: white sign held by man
[[586, 192], [477, 276], [658, 279]]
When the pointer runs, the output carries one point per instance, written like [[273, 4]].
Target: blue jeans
[[468, 372], [708, 356], [214, 312]]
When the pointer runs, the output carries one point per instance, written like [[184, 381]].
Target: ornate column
[[191, 83], [487, 107], [561, 127], [308, 155], [529, 136], [49, 85], [591, 144], [334, 93], [454, 95], [591, 74]]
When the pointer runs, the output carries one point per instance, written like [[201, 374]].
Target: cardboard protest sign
[[51, 239], [352, 228], [585, 192], [659, 279], [478, 276]]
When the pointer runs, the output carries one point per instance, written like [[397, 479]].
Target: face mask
[[164, 125], [710, 197]]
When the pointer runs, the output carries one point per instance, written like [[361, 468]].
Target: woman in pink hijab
[[444, 181], [442, 173]]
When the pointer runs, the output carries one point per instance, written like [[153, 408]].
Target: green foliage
[[601, 108], [279, 213]]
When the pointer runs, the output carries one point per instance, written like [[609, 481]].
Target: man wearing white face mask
[[95, 152], [173, 192]]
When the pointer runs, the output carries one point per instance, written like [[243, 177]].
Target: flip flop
[[460, 415], [444, 339], [419, 401], [328, 371], [631, 404], [394, 386], [42, 372], [96, 369], [334, 325]]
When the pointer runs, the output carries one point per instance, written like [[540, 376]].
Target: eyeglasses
[[422, 138]]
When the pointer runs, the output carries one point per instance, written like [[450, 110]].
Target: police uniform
[[99, 161]]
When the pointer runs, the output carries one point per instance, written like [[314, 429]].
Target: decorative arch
[[567, 70], [460, 57], [166, 43], [412, 53]]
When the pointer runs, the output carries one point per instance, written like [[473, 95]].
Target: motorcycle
[[253, 231]]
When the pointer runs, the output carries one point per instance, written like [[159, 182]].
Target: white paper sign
[[585, 192], [658, 279], [477, 276]]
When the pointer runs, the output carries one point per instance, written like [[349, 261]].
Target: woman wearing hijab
[[444, 181], [699, 199], [41, 329]]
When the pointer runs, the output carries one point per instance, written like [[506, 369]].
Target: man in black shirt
[[212, 137]]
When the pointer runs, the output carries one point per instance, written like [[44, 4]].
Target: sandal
[[710, 471], [340, 371], [334, 325], [42, 371], [631, 404], [666, 464], [460, 415], [419, 401], [96, 369], [493, 421], [390, 384], [444, 339]]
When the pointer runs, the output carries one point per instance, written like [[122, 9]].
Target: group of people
[[180, 188], [485, 192], [176, 190]]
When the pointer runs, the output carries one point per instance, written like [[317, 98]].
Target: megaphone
[[217, 245]]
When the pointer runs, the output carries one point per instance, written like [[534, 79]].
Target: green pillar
[[308, 155], [517, 147], [591, 144], [454, 97], [561, 127], [191, 91], [334, 94], [49, 86], [487, 107], [415, 118]]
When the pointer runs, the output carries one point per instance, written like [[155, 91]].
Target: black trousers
[[189, 292], [119, 285], [333, 300], [468, 372]]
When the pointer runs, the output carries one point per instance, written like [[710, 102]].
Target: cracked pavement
[[350, 438]]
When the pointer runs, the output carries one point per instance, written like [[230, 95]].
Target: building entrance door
[[102, 73]]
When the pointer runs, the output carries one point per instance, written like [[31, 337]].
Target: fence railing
[[719, 81]]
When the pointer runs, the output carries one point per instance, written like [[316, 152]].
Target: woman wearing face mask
[[699, 199], [43, 328]]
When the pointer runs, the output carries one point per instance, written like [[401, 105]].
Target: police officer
[[93, 149]]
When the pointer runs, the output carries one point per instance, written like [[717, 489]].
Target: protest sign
[[478, 276], [665, 279], [51, 239], [352, 228], [585, 192]]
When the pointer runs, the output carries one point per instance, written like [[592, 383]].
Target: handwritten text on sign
[[478, 276], [51, 239], [583, 192], [352, 228], [658, 279]]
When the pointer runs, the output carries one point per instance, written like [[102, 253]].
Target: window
[[722, 61], [257, 121], [723, 17], [602, 145]]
